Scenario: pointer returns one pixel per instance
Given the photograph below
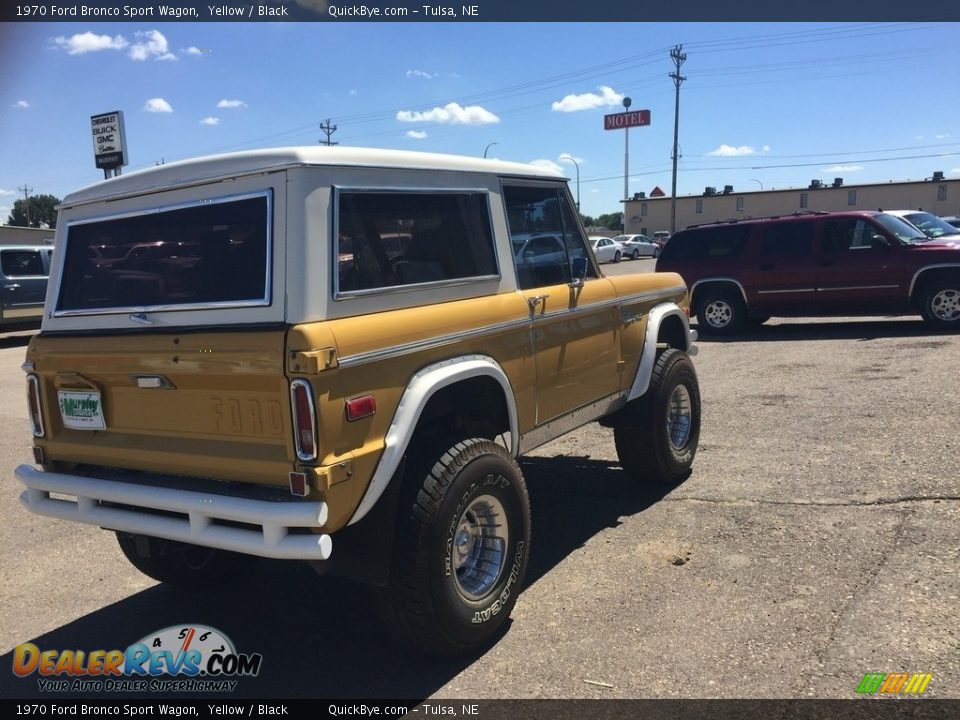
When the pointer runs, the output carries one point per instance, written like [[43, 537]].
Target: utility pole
[[328, 130], [26, 200], [678, 58]]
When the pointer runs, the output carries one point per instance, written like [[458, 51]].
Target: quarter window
[[390, 239], [544, 235]]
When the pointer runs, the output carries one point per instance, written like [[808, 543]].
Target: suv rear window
[[707, 242], [215, 253], [21, 263]]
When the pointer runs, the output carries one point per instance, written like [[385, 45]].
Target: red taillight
[[33, 402], [361, 407], [304, 420]]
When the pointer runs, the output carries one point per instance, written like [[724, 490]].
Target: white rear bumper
[[198, 518]]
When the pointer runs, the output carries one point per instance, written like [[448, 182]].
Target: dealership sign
[[619, 121], [109, 140]]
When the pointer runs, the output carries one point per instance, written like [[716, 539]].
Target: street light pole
[[488, 147], [569, 158]]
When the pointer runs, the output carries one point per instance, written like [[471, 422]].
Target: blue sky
[[771, 105]]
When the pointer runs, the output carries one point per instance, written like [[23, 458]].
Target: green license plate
[[81, 410]]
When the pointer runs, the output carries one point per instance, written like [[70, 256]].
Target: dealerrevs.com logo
[[180, 658], [894, 683]]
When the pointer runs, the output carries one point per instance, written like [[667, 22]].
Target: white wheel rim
[[718, 313]]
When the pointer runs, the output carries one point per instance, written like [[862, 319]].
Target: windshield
[[903, 230], [931, 225]]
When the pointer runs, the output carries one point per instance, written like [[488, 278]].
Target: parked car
[[660, 237], [23, 283], [927, 223], [607, 250], [365, 342], [636, 245], [807, 264]]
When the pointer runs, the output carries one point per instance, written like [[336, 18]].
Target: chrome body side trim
[[789, 290], [422, 386], [200, 518]]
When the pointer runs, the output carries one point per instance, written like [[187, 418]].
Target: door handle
[[12, 287], [536, 301]]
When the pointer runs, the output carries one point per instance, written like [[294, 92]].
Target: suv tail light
[[304, 420], [33, 402]]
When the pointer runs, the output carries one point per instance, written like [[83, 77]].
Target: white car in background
[[606, 250], [930, 225], [636, 245]]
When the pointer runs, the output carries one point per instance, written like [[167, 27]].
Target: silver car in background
[[23, 283], [635, 246]]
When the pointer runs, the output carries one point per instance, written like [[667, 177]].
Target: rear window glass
[[216, 253], [389, 239], [706, 243]]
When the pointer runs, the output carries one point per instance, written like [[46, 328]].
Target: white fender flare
[[658, 313], [419, 390]]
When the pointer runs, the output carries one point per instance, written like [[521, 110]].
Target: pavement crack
[[902, 500]]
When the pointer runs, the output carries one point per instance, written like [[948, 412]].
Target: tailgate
[[203, 404]]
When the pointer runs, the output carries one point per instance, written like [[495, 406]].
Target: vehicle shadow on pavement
[[320, 637], [14, 341], [819, 330]]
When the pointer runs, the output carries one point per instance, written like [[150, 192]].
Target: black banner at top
[[477, 11]]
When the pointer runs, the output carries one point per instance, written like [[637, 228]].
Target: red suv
[[842, 263]]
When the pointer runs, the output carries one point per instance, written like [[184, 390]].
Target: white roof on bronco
[[201, 169]]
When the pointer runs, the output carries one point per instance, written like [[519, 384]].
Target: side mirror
[[578, 271], [879, 241]]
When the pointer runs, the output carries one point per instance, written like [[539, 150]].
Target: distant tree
[[611, 221], [43, 211], [587, 220]]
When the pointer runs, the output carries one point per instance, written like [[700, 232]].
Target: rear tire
[[189, 567], [636, 255], [720, 312], [659, 445], [941, 304], [461, 551]]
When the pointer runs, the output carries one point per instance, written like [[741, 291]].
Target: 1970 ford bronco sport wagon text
[[336, 355]]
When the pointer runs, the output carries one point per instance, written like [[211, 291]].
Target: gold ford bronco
[[336, 355]]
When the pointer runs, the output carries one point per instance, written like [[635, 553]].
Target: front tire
[[462, 546], [616, 256], [941, 305], [720, 312], [189, 567], [656, 253], [636, 255], [658, 443]]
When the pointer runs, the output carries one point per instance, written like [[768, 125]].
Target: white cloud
[[943, 136], [4, 193], [955, 171], [595, 190], [157, 105], [192, 51], [567, 157], [210, 121], [21, 104], [153, 45], [574, 103], [421, 74], [353, 93], [450, 114], [82, 43], [918, 137], [416, 134], [547, 165], [731, 151], [231, 104], [766, 148], [842, 168]]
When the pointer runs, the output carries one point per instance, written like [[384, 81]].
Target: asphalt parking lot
[[818, 539]]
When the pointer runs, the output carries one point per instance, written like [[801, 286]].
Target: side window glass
[[841, 235], [21, 263], [787, 240], [863, 235], [388, 239], [544, 235]]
